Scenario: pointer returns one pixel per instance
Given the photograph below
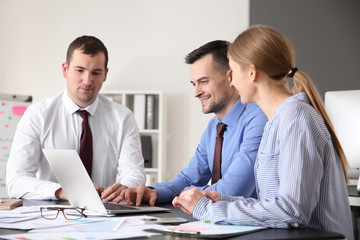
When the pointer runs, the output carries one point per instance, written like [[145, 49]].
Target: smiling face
[[85, 75], [241, 80], [211, 86]]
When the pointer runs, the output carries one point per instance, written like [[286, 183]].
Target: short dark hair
[[89, 45], [218, 49]]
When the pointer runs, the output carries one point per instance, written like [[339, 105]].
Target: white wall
[[147, 41]]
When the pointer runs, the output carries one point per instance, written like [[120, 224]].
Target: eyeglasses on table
[[70, 213]]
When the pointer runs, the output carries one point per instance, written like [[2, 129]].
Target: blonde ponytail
[[302, 83]]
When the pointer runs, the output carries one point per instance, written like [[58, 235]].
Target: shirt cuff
[[226, 198], [51, 190], [201, 209], [163, 195]]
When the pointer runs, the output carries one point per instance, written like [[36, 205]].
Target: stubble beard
[[86, 98]]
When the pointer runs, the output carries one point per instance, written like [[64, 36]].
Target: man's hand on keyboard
[[138, 195], [98, 188], [112, 192]]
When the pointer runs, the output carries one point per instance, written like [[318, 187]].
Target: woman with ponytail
[[301, 169]]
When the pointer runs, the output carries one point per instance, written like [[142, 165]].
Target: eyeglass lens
[[69, 213]]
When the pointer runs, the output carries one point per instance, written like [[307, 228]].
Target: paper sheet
[[23, 209], [44, 223], [76, 236], [109, 228], [202, 229]]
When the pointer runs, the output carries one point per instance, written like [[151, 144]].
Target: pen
[[180, 231]]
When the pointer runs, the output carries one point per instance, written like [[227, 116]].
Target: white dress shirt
[[299, 178], [54, 124]]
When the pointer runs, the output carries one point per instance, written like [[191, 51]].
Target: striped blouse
[[299, 178]]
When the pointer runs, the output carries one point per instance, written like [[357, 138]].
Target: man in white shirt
[[55, 124]]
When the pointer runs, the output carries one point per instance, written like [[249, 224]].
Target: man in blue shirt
[[211, 77]]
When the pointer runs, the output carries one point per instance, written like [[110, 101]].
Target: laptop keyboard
[[112, 206]]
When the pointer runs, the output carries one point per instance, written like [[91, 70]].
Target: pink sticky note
[[19, 110]]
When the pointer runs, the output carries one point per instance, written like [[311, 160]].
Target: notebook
[[80, 190]]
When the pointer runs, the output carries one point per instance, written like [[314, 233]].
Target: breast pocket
[[267, 176]]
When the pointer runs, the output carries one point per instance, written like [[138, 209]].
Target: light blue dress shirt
[[245, 125], [299, 178]]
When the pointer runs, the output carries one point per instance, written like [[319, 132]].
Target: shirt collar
[[72, 107], [232, 117], [298, 97]]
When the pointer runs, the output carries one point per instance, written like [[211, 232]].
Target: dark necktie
[[86, 151], [216, 172]]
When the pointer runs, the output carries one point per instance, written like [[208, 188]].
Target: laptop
[[80, 190]]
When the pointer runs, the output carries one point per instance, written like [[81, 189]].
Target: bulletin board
[[10, 114]]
